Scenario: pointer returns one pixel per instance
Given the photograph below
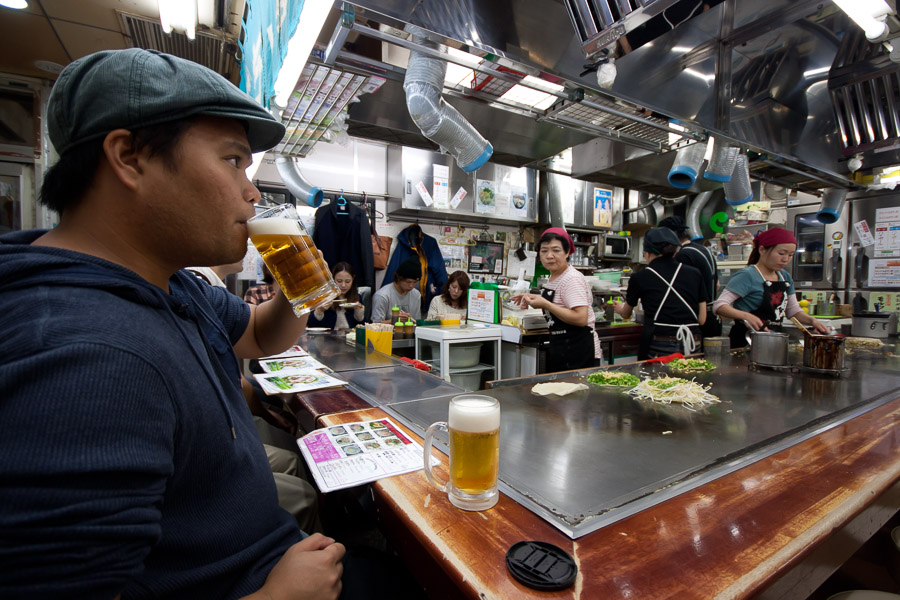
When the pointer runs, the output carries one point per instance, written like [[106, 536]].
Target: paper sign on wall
[[864, 234], [884, 273], [423, 194], [458, 197], [441, 186]]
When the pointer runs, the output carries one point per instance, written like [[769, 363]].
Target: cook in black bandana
[[670, 293]]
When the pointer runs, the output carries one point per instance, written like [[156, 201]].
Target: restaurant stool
[[864, 595]]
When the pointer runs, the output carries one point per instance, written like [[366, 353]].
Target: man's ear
[[123, 160]]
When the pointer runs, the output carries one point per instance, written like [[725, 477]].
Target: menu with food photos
[[293, 381], [281, 363], [346, 455]]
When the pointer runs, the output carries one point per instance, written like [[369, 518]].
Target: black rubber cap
[[541, 566]]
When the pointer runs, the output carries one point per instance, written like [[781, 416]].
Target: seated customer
[[453, 298], [345, 311], [130, 464], [259, 293], [401, 293]]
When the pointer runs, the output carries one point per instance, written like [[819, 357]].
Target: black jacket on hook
[[346, 238]]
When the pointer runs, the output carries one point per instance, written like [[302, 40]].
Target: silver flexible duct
[[832, 204], [687, 165], [295, 182], [440, 122], [737, 189], [721, 162], [693, 215]]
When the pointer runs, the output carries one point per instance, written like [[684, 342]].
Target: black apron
[[571, 346], [771, 309], [712, 327], [683, 332]]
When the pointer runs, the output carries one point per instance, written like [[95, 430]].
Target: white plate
[[318, 329]]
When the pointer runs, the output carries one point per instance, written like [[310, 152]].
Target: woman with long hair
[[346, 310], [453, 298], [567, 303], [671, 295], [763, 292]]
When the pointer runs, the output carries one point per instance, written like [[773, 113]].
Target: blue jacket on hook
[[412, 241]]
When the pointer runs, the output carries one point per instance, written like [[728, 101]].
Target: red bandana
[[773, 237]]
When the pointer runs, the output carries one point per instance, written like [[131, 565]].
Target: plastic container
[[614, 276], [464, 355], [469, 381]]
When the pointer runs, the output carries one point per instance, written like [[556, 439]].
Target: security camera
[[855, 163]]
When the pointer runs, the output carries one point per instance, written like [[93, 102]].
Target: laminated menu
[[291, 352], [293, 381], [355, 453], [281, 363]]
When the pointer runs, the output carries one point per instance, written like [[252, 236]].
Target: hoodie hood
[[29, 274], [23, 266]]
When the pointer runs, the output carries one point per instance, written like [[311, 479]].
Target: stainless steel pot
[[824, 352], [768, 348], [874, 324]]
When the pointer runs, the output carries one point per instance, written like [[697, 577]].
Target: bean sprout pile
[[668, 390]]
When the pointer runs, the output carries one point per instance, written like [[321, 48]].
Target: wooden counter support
[[776, 528]]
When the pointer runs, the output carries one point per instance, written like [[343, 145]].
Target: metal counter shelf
[[589, 459], [397, 385], [333, 349]]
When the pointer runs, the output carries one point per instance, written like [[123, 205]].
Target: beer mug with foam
[[293, 259], [474, 430]]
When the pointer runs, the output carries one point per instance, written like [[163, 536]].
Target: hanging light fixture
[[868, 14], [179, 15], [312, 18]]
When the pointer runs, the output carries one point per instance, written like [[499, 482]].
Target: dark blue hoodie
[[129, 462]]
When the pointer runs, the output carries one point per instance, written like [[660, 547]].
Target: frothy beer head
[[273, 227], [474, 414]]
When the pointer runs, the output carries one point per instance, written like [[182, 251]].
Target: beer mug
[[293, 259], [474, 430]]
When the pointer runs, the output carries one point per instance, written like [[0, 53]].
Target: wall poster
[[602, 207], [485, 197]]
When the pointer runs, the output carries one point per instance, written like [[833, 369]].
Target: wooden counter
[[776, 528]]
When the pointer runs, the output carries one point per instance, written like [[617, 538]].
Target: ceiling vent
[[210, 49], [599, 23]]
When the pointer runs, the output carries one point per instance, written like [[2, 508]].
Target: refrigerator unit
[[873, 271], [819, 265]]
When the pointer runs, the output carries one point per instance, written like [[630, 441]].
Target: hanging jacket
[[412, 241], [346, 238]]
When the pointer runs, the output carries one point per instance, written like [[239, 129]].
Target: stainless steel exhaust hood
[[754, 72]]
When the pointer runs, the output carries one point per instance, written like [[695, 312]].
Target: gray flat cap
[[136, 88]]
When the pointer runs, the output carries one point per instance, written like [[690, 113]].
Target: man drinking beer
[[130, 464]]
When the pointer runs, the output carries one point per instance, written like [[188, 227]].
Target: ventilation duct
[[687, 165], [438, 121], [832, 204], [295, 182], [721, 162], [737, 189], [693, 215]]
